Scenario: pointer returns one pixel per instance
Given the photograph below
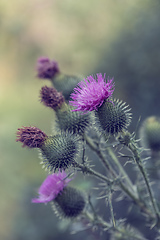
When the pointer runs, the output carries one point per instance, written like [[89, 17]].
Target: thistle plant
[[89, 117]]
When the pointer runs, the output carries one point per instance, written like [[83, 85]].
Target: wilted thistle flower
[[90, 94], [150, 133], [113, 117], [46, 68], [73, 122], [67, 201], [50, 97], [57, 152], [31, 137]]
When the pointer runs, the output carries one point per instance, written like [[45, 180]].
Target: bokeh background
[[119, 37]]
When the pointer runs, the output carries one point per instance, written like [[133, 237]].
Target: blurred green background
[[119, 37]]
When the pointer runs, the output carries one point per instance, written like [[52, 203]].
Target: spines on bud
[[66, 83], [73, 122], [69, 203], [60, 151], [113, 116]]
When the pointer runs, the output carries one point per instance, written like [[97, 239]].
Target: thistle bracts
[[69, 203], [57, 152], [113, 116], [67, 120], [65, 84], [60, 151]]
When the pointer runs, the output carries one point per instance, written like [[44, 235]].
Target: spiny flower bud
[[47, 69], [73, 122], [69, 203], [60, 151], [31, 137], [65, 84], [50, 97], [113, 117], [150, 133]]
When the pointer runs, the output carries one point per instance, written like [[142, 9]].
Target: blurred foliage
[[120, 37]]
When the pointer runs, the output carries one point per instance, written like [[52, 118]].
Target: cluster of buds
[[76, 109]]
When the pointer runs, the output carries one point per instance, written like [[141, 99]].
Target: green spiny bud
[[150, 133], [60, 151], [69, 203], [73, 122], [65, 84], [68, 120], [113, 116]]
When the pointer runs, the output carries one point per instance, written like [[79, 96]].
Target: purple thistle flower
[[47, 68], [51, 187], [90, 94]]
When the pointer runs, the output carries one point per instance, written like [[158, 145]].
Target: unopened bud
[[69, 203], [113, 116], [60, 151]]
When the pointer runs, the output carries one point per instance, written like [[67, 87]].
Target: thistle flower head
[[69, 203], [50, 97], [47, 68], [60, 151], [90, 94], [31, 137], [113, 117], [51, 187]]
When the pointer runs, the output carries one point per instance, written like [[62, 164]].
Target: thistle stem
[[130, 193], [132, 146], [111, 209]]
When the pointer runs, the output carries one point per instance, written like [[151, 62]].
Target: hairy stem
[[132, 146]]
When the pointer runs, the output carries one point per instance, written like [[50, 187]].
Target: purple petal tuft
[[51, 187], [90, 94]]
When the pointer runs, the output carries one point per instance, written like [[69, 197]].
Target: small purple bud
[[47, 68]]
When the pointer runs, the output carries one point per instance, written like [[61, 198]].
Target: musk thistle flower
[[67, 201], [51, 187], [90, 94]]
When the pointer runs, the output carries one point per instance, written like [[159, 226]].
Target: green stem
[[100, 222], [93, 146], [111, 209], [122, 171], [88, 170], [131, 193], [134, 149], [93, 173]]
